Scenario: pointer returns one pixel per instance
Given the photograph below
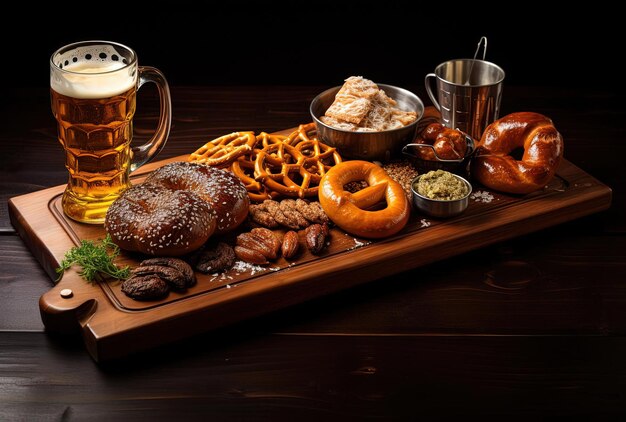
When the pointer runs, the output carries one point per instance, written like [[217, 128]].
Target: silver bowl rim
[[440, 65], [446, 201], [381, 86]]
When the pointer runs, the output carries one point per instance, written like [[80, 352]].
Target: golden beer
[[96, 135], [93, 89]]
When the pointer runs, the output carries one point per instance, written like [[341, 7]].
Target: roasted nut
[[312, 211], [172, 276], [218, 258], [260, 215], [269, 238], [256, 243], [249, 255], [315, 238], [288, 207], [154, 277], [290, 244], [325, 229], [293, 214], [145, 287], [175, 263], [273, 207]]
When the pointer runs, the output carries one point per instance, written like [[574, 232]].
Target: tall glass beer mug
[[93, 87]]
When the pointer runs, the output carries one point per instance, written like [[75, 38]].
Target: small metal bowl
[[380, 146], [453, 166], [437, 207]]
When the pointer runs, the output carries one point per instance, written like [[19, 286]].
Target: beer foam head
[[93, 71]]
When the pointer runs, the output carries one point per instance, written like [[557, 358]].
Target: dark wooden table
[[528, 328]]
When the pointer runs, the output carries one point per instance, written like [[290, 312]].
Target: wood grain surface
[[526, 329]]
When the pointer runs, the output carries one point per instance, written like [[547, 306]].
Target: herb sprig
[[96, 261]]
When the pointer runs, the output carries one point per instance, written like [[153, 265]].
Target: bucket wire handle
[[469, 75]]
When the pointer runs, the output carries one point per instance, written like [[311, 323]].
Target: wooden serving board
[[114, 325]]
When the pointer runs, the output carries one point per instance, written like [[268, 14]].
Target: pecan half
[[290, 244], [269, 238], [249, 255], [256, 243], [315, 238]]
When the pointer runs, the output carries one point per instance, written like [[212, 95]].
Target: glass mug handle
[[146, 152], [429, 90]]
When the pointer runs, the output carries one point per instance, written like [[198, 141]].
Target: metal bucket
[[468, 94]]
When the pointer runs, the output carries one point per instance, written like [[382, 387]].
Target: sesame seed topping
[[180, 198]]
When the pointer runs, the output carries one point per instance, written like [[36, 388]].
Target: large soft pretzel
[[350, 210], [495, 168]]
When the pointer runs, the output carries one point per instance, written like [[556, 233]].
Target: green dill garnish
[[96, 261]]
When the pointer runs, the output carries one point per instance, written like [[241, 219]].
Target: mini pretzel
[[243, 168], [301, 134], [272, 165], [264, 139], [350, 210], [222, 151], [277, 165]]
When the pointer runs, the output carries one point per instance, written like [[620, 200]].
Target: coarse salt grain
[[425, 223], [244, 267], [482, 196], [358, 244]]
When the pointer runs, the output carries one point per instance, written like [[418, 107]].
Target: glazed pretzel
[[278, 164], [351, 211], [222, 151], [495, 167]]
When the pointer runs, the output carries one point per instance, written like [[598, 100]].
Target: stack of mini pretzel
[[272, 166]]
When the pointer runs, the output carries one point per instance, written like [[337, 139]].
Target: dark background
[[527, 329], [307, 43]]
